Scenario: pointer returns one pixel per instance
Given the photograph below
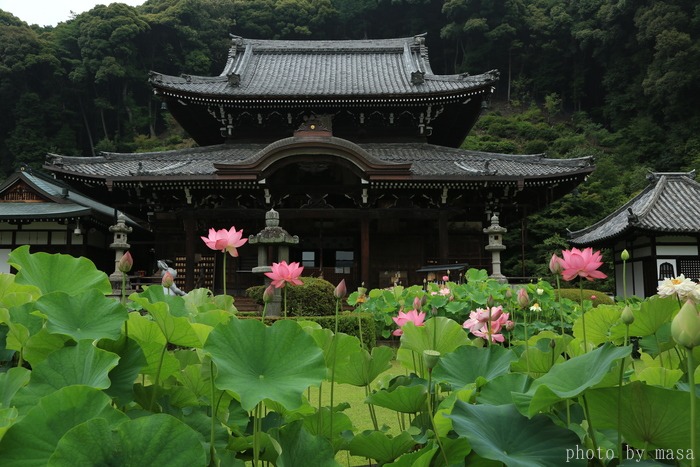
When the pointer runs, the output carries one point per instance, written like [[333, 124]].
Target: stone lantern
[[273, 246], [120, 246], [495, 246]]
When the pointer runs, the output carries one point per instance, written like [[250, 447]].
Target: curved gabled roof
[[670, 204], [388, 68], [420, 161]]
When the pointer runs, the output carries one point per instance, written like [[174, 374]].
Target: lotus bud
[[509, 293], [627, 315], [510, 325], [126, 262], [423, 301], [685, 327], [555, 265], [431, 358], [167, 280], [445, 278], [625, 255], [523, 298], [496, 313], [340, 290], [417, 305], [268, 294], [552, 343]]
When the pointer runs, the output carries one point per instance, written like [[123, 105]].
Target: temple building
[[356, 144], [659, 228]]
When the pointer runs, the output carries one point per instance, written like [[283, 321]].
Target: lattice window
[[690, 268], [666, 271]]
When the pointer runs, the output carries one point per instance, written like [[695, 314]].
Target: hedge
[[601, 298], [314, 298]]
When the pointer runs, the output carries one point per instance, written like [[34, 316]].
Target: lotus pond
[[156, 379]]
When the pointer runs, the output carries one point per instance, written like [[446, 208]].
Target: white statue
[[173, 289]]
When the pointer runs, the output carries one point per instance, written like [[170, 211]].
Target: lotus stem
[[157, 380], [224, 273], [561, 312], [691, 384], [432, 415], [212, 449], [591, 431], [527, 356], [583, 316], [257, 412], [335, 353], [284, 292], [619, 394]]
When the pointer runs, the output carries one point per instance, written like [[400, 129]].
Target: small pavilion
[[659, 227]]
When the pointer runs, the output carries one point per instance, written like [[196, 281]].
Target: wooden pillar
[[443, 238], [190, 240], [364, 251]]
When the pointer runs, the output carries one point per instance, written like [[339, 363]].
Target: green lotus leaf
[[599, 322], [659, 376], [650, 414], [416, 339], [40, 345], [405, 395], [450, 335], [8, 416], [152, 342], [467, 364], [88, 315], [83, 364], [569, 379], [177, 329], [380, 446], [12, 381], [537, 361], [299, 447], [131, 361], [158, 439], [58, 272], [13, 294], [498, 390], [258, 362], [420, 458], [652, 314], [155, 294], [364, 367], [319, 424], [32, 440], [501, 433], [337, 348]]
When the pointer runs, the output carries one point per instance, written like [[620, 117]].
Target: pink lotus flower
[[225, 240], [582, 263], [523, 297], [167, 280], [126, 262], [413, 316], [555, 264], [340, 290], [478, 323], [283, 273]]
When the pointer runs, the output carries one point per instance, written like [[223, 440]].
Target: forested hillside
[[614, 79]]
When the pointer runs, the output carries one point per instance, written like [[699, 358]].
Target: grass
[[358, 412]]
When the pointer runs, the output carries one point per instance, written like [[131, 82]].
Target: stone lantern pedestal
[[273, 245], [495, 246], [120, 246]]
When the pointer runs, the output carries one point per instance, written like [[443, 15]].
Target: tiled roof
[[63, 201], [427, 162], [308, 69], [670, 204], [38, 211]]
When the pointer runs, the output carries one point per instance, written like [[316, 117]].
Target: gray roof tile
[[428, 162], [670, 204], [308, 69]]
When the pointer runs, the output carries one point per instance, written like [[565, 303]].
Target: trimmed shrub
[[314, 298], [601, 298]]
